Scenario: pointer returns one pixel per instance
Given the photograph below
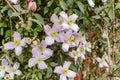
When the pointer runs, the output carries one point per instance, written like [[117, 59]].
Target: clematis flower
[[91, 3], [14, 70], [69, 21], [87, 45], [105, 34], [80, 52], [42, 49], [66, 38], [38, 58], [102, 61], [64, 71], [52, 34], [3, 67], [56, 20], [16, 44]]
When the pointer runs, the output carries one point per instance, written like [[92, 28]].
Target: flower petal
[[11, 75], [54, 18], [91, 3], [64, 15], [58, 70], [18, 72], [4, 62], [66, 64], [9, 45], [49, 40], [18, 50], [2, 73], [16, 65], [65, 47], [71, 74], [32, 62], [74, 27], [16, 36], [47, 29], [63, 77], [42, 65], [48, 52], [73, 17]]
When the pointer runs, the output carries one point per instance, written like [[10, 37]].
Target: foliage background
[[92, 21]]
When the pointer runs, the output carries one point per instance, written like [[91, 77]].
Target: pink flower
[[3, 67], [64, 71], [42, 49], [38, 58], [103, 61], [52, 34], [14, 70], [69, 21], [16, 44]]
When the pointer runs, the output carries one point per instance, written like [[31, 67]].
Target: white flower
[[64, 71], [14, 1], [14, 70], [16, 44], [105, 34], [3, 67], [104, 1], [69, 21], [91, 3]]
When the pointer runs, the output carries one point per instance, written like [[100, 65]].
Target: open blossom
[[64, 71], [66, 38], [56, 20], [42, 49], [91, 3], [102, 61], [14, 70], [16, 44], [38, 58], [52, 34], [69, 22], [3, 67]]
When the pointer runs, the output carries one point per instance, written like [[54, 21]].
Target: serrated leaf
[[39, 18], [81, 6], [63, 4]]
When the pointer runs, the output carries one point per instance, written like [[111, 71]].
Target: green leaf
[[39, 18], [63, 4], [15, 14], [110, 14], [8, 33], [49, 72], [46, 9], [81, 6], [17, 7], [50, 3], [53, 64], [117, 6]]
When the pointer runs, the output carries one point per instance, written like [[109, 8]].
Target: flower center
[[70, 21], [68, 39], [76, 53], [39, 59], [16, 42], [65, 70], [3, 67], [60, 21], [54, 33], [82, 50], [13, 70], [42, 49]]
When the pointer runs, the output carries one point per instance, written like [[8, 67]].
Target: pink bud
[[32, 6], [29, 0]]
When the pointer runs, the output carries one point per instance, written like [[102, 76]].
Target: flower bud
[[104, 1], [32, 6]]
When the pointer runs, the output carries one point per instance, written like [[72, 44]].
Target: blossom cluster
[[65, 32], [7, 71]]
